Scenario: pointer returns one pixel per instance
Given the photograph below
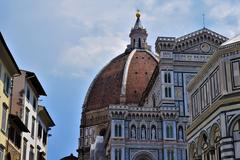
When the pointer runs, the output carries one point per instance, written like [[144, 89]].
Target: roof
[[17, 121], [200, 31], [138, 24], [8, 57], [233, 40], [123, 80], [71, 157], [149, 86], [31, 76], [44, 115]]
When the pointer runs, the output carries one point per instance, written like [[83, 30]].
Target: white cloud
[[105, 26], [226, 14], [90, 54]]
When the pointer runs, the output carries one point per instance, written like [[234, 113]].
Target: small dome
[[123, 80]]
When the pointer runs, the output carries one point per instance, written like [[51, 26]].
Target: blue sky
[[66, 42]]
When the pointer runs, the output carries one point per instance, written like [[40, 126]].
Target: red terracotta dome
[[123, 80]]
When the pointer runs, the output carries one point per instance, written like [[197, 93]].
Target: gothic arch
[[232, 124], [202, 140], [180, 133], [143, 155], [143, 123], [215, 134]]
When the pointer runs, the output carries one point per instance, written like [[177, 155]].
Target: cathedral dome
[[123, 80]]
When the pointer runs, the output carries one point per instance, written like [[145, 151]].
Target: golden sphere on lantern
[[138, 14]]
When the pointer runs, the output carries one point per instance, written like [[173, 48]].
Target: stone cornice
[[221, 105], [221, 52]]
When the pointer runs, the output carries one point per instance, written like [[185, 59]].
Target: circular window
[[205, 47]]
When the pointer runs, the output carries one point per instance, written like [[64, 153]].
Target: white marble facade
[[214, 131], [155, 129]]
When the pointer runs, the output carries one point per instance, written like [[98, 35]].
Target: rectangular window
[[28, 94], [44, 137], [7, 84], [204, 95], [215, 83], [39, 131], [34, 103], [26, 117], [31, 153], [4, 118], [24, 149], [33, 127], [38, 152], [195, 103], [236, 74]]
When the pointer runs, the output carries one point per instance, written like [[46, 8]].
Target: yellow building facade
[[8, 69]]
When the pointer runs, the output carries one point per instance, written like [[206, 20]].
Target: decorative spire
[[138, 23], [138, 35]]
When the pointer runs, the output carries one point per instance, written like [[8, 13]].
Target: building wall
[[31, 141], [4, 99], [214, 105], [40, 145]]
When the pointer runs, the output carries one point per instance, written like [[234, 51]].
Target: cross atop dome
[[138, 35]]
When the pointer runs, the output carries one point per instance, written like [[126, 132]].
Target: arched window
[[133, 131], [169, 130], [180, 133], [236, 137], [153, 132], [118, 154], [143, 132], [167, 77], [139, 43], [120, 131], [168, 92], [116, 130], [236, 127]]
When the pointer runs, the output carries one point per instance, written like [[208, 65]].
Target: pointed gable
[[200, 41]]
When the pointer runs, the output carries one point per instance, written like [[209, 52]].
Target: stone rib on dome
[[107, 88]]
